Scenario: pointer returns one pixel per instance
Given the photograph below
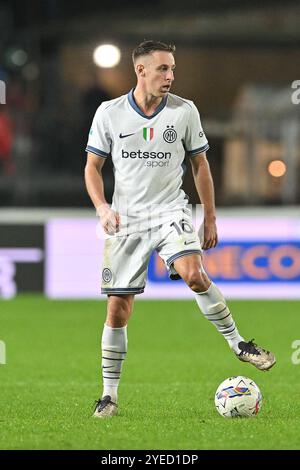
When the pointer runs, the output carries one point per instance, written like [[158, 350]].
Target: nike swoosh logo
[[122, 136], [188, 243]]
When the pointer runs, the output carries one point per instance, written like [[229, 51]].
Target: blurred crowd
[[53, 89], [42, 145]]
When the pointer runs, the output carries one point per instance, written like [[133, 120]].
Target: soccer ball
[[238, 397]]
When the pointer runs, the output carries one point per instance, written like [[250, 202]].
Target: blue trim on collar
[[137, 109]]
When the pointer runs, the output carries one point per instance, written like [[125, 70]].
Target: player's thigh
[[179, 240], [124, 267]]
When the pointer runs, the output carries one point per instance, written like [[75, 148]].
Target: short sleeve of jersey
[[99, 141], [195, 140]]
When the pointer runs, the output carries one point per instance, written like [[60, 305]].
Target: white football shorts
[[126, 258]]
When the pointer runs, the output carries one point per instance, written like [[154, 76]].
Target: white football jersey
[[147, 154]]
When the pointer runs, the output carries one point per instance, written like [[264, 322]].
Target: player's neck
[[146, 101]]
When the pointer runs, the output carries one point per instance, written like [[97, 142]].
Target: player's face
[[159, 73]]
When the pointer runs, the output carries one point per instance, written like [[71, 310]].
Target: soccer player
[[147, 134]]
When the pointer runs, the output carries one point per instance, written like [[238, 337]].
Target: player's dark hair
[[147, 47]]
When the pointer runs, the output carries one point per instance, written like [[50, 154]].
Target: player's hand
[[208, 234], [110, 219]]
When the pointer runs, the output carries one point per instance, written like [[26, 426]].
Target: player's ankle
[[234, 344], [112, 393]]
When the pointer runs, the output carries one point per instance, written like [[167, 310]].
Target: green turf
[[175, 362]]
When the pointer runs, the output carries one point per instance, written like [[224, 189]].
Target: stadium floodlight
[[277, 168], [107, 56], [19, 57]]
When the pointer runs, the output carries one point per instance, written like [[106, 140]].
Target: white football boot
[[105, 408], [259, 357]]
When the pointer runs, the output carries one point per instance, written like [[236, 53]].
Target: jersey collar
[[137, 109]]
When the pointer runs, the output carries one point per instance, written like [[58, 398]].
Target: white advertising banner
[[257, 257]]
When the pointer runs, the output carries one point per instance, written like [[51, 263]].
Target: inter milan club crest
[[170, 135], [148, 133], [106, 275]]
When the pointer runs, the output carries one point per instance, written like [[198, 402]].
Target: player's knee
[[119, 311], [197, 280]]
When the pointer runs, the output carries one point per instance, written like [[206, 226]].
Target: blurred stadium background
[[237, 60]]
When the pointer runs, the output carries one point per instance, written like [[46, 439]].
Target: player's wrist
[[210, 217], [102, 208]]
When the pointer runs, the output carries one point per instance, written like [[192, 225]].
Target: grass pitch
[[175, 361]]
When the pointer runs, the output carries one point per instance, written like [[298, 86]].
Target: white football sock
[[214, 308], [114, 348]]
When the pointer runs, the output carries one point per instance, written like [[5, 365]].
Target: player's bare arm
[[205, 188], [110, 219]]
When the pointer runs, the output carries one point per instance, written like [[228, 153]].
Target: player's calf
[[214, 308]]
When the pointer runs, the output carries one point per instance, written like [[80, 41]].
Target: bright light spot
[[277, 168], [107, 56], [19, 57]]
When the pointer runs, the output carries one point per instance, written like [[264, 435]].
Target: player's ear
[[140, 70]]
